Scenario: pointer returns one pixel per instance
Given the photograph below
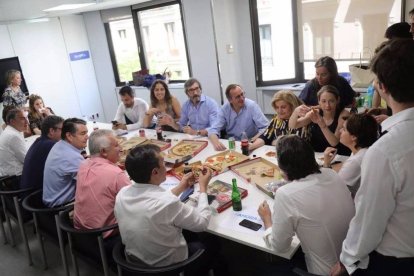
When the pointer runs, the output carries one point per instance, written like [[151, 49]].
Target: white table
[[226, 223]]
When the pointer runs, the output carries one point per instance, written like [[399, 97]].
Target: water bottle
[[232, 144], [369, 96]]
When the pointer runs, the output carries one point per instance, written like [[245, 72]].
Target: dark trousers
[[386, 265]]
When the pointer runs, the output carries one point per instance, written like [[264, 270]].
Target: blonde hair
[[288, 96], [10, 75]]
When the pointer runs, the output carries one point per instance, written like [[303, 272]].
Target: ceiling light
[[68, 7]]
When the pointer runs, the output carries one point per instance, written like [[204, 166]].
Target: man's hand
[[119, 126], [219, 146], [204, 179], [380, 118], [184, 184], [338, 270], [189, 130], [265, 214]]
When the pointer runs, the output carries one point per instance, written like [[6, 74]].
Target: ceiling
[[16, 10]]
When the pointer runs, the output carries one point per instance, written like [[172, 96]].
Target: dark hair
[[334, 91], [189, 83], [295, 157], [364, 127], [398, 30], [32, 110], [411, 12], [12, 115], [229, 88], [154, 100], [140, 162], [50, 122], [394, 65], [330, 65], [126, 90], [69, 126], [6, 110]]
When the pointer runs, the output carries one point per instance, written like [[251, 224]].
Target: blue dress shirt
[[249, 119], [59, 178], [201, 116]]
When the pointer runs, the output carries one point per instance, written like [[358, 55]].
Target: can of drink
[[142, 133], [232, 143]]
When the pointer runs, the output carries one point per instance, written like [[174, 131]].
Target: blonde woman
[[283, 102], [13, 94]]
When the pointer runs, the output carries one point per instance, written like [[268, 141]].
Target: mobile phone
[[186, 194], [250, 224], [210, 198]]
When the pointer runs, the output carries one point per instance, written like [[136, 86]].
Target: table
[[226, 224]]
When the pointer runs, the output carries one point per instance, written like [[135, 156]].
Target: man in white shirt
[[131, 112], [380, 239], [12, 145], [316, 206], [150, 218]]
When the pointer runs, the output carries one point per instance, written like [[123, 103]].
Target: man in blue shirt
[[199, 111], [34, 163], [62, 164], [236, 116]]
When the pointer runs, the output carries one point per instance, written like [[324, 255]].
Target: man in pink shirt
[[99, 181]]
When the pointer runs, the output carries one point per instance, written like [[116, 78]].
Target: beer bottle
[[236, 197]]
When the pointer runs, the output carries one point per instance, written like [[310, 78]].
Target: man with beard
[[199, 111]]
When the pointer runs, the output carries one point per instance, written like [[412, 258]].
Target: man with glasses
[[62, 163], [12, 146], [236, 116], [34, 163], [199, 111]]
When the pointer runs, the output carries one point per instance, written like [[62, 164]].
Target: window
[[123, 46], [166, 37], [273, 23], [347, 30], [152, 39]]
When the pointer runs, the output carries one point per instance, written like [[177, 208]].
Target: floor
[[239, 259]]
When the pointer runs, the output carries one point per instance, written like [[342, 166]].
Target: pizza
[[214, 163], [271, 153], [270, 172], [184, 149]]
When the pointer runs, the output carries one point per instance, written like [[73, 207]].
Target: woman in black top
[[324, 120]]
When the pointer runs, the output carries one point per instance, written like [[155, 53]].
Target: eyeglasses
[[192, 90]]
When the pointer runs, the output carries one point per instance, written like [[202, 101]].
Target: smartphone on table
[[250, 224]]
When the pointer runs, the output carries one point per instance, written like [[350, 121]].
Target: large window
[[152, 39], [347, 30], [275, 41]]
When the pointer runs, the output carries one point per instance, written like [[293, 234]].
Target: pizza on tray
[[184, 149], [219, 162]]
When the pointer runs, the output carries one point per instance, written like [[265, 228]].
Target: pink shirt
[[99, 181]]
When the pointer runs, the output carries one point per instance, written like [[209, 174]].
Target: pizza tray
[[256, 171], [163, 145], [184, 150], [222, 161], [127, 145]]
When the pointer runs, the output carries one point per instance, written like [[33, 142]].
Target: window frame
[[140, 42], [299, 70]]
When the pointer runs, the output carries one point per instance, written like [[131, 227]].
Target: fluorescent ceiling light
[[68, 7]]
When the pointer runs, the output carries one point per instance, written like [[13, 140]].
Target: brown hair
[[154, 100], [32, 110]]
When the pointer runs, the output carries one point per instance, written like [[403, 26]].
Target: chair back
[[123, 264], [86, 243], [9, 188]]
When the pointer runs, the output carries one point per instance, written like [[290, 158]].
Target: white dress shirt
[[136, 113], [151, 219], [384, 219], [351, 170], [12, 151], [318, 209]]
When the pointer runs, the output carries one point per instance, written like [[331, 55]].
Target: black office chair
[[86, 243], [11, 194], [46, 224], [134, 268]]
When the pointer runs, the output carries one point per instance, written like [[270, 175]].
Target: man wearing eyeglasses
[[12, 146], [34, 163], [236, 116], [199, 111]]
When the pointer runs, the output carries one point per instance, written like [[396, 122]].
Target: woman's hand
[[265, 214], [302, 110], [328, 155], [166, 119], [152, 111]]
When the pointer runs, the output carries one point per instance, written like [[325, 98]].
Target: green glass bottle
[[235, 196]]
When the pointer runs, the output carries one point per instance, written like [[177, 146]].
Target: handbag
[[361, 75]]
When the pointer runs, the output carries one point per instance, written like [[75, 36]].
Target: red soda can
[[142, 133]]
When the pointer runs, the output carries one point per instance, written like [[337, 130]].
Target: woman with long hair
[[37, 113], [164, 106]]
